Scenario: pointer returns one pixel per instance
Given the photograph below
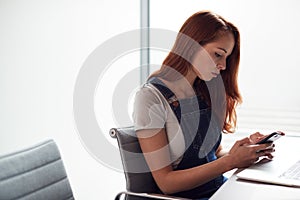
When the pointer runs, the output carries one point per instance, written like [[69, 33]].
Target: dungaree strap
[[169, 96]]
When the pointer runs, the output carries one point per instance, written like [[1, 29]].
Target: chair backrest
[[135, 181], [34, 173]]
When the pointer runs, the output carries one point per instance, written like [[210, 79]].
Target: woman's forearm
[[181, 180]]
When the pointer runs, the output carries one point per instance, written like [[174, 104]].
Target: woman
[[180, 112]]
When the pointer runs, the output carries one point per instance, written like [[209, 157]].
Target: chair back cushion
[[136, 181], [34, 173]]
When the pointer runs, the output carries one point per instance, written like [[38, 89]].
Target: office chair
[[36, 172], [140, 186]]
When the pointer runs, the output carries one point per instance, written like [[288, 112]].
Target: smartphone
[[271, 138]]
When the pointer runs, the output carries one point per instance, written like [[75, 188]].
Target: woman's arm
[[156, 152], [154, 144]]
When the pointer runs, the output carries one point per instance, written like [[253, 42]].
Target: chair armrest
[[148, 195]]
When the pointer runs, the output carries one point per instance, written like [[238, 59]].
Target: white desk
[[235, 189]]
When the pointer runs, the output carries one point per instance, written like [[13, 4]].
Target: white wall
[[43, 45]]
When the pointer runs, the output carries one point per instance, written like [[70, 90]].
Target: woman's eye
[[218, 55]]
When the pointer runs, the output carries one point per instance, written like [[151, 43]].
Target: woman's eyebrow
[[222, 49]]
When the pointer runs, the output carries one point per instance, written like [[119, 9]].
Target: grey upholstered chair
[[140, 186], [34, 173]]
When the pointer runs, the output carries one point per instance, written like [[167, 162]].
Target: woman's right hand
[[243, 153]]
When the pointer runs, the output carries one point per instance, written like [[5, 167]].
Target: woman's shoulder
[[148, 92]]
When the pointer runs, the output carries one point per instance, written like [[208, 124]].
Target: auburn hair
[[204, 27]]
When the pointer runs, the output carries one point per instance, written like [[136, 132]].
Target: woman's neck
[[183, 88]]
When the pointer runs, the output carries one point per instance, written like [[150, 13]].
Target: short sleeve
[[149, 111], [152, 111]]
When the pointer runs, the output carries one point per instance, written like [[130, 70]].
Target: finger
[[257, 134], [271, 146], [270, 156], [244, 141], [261, 147], [269, 151], [265, 153], [255, 137]]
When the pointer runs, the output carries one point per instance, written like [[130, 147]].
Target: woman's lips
[[215, 74]]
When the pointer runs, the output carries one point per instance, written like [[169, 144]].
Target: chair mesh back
[[34, 173], [135, 182]]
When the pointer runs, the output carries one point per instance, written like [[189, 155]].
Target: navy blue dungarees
[[196, 122]]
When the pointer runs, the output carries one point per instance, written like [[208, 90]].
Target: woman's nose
[[221, 66]]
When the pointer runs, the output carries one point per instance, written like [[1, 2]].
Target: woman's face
[[209, 61]]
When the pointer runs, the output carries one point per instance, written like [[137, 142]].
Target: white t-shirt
[[152, 111]]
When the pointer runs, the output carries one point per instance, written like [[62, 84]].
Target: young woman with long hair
[[180, 113]]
